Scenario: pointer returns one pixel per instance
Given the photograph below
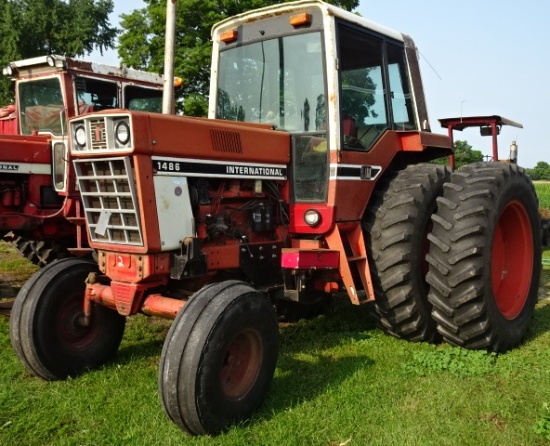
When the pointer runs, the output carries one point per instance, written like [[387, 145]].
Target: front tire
[[396, 236], [219, 357], [485, 257], [45, 330]]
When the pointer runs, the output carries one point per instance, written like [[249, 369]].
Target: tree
[[141, 44], [30, 28], [540, 172], [464, 154]]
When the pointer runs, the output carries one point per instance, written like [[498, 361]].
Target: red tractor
[[311, 177], [39, 206]]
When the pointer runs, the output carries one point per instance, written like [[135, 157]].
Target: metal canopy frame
[[492, 123]]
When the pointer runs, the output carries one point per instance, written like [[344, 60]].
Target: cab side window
[[363, 108], [401, 98], [375, 92], [95, 94]]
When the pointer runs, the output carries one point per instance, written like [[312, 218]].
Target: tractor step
[[355, 262]]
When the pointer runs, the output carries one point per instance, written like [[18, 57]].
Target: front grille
[[110, 201]]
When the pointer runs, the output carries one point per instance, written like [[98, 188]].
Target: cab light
[[300, 19], [229, 36], [8, 71], [312, 217], [56, 62]]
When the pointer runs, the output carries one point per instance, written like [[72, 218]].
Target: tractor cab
[[49, 89], [347, 90]]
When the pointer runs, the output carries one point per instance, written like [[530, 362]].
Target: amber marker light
[[300, 19], [229, 36]]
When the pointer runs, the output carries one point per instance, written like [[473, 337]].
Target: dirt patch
[[14, 271], [9, 287]]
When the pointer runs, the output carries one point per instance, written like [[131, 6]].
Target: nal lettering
[[9, 167]]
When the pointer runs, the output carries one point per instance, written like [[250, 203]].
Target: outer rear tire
[[219, 357], [396, 236], [485, 257], [44, 326]]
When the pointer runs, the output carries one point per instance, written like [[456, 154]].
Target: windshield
[[41, 106], [278, 81]]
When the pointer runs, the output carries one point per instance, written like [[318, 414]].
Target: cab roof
[[54, 63], [303, 6]]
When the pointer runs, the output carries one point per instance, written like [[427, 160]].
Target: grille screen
[[110, 201]]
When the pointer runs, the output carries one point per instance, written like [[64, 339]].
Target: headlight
[[312, 217], [80, 136], [122, 133]]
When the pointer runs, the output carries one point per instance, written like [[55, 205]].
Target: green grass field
[[543, 193], [339, 381]]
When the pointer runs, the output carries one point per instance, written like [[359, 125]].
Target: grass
[[543, 193], [339, 381]]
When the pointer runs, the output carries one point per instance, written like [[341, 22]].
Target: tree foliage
[[30, 28], [540, 172], [141, 44], [464, 154]]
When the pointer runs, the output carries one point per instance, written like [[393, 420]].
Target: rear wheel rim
[[241, 364], [512, 260]]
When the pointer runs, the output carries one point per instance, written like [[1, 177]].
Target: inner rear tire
[[219, 357], [396, 236], [485, 257], [40, 253]]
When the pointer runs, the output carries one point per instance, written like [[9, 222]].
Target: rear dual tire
[[396, 228], [485, 257]]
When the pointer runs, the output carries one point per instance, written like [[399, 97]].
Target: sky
[[477, 57]]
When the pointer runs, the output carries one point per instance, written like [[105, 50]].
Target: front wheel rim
[[241, 364], [71, 333]]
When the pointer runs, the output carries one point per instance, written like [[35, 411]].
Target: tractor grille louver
[[110, 201], [98, 133], [226, 141]]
